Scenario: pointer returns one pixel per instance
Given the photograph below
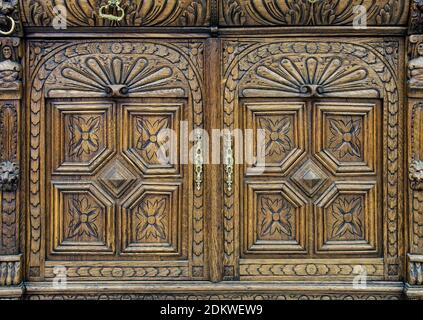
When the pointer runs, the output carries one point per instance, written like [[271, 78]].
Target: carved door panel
[[106, 203], [328, 118]]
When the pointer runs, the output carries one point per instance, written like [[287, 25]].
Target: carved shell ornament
[[111, 76], [310, 77]]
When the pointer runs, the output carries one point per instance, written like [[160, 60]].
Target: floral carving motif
[[276, 216], [83, 218], [277, 139], [345, 137], [347, 218], [151, 140], [83, 135], [151, 214]]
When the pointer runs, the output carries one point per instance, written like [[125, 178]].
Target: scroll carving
[[305, 12], [137, 13]]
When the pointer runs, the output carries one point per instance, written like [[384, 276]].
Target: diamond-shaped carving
[[310, 178], [117, 178]]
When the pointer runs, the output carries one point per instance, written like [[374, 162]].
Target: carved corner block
[[414, 288], [10, 270]]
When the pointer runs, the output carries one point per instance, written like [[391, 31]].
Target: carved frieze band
[[199, 13], [305, 12], [211, 296], [82, 13], [312, 270]]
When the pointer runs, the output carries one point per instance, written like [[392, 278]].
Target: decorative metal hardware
[[12, 27], [416, 174], [198, 160], [9, 176], [105, 11], [229, 161]]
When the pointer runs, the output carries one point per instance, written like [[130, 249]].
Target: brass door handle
[[198, 161], [105, 11], [229, 162], [12, 27]]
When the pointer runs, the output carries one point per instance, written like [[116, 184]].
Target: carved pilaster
[[10, 105], [415, 151]]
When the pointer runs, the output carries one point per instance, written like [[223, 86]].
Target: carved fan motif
[[113, 76], [309, 77]]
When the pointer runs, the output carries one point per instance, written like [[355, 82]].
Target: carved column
[[11, 263], [415, 151]]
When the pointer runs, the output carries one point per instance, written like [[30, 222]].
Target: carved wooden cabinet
[[89, 209]]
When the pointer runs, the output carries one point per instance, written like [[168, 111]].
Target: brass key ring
[[112, 4], [12, 27]]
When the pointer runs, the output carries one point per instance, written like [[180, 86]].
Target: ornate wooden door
[[329, 183], [103, 204]]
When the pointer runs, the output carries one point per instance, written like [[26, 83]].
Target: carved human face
[[420, 49], [7, 52]]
